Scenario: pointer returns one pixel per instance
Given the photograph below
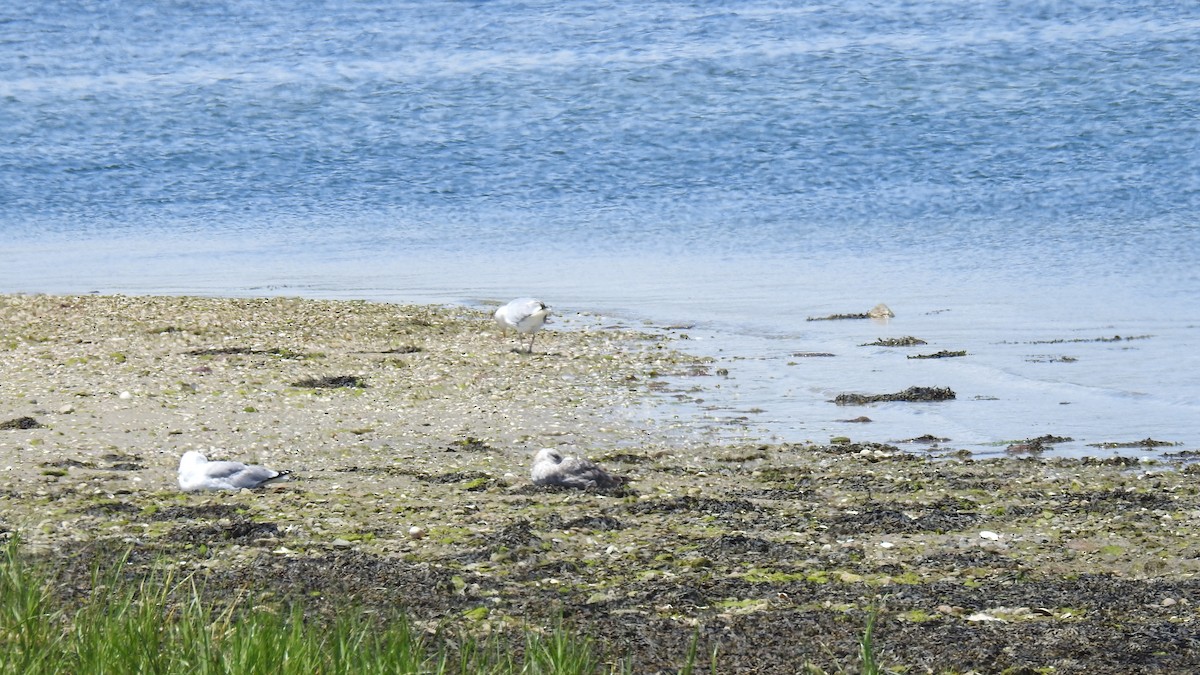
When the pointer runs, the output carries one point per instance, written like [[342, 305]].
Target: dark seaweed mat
[[204, 512], [694, 504], [615, 491], [110, 508], [214, 533], [740, 544], [789, 633], [515, 541], [1110, 501], [1119, 625], [588, 523], [976, 558], [1121, 628], [946, 515]]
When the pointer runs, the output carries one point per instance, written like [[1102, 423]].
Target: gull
[[197, 473], [551, 468], [524, 315]]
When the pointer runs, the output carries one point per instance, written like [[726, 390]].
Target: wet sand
[[772, 554]]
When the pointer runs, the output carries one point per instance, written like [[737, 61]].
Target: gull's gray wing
[[241, 475], [582, 473]]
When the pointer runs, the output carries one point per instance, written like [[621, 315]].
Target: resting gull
[[197, 473], [524, 315], [551, 468]]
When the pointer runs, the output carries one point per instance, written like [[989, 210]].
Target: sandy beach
[[410, 431]]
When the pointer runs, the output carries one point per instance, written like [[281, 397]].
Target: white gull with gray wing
[[551, 468], [197, 473]]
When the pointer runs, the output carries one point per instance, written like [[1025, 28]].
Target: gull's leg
[[531, 337]]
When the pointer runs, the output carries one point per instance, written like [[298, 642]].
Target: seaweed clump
[[1036, 445], [944, 354], [331, 382], [469, 444], [906, 341], [281, 352], [880, 311], [21, 423], [839, 317], [912, 394], [1144, 443], [403, 349]]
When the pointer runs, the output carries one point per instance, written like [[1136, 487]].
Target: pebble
[[125, 396], [66, 409], [416, 532], [341, 543], [989, 535]]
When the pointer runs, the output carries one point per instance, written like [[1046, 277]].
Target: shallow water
[[1003, 175]]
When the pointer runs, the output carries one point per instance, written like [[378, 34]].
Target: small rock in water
[[881, 311]]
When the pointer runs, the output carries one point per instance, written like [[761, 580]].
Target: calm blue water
[[1001, 173]]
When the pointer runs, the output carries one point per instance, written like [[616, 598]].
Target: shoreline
[[1100, 386], [983, 564]]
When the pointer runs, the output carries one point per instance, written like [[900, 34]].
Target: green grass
[[163, 625], [866, 646]]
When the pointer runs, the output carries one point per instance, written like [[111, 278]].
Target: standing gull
[[524, 315], [197, 473], [550, 468]]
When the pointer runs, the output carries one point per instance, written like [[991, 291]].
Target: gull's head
[[191, 458], [547, 455]]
